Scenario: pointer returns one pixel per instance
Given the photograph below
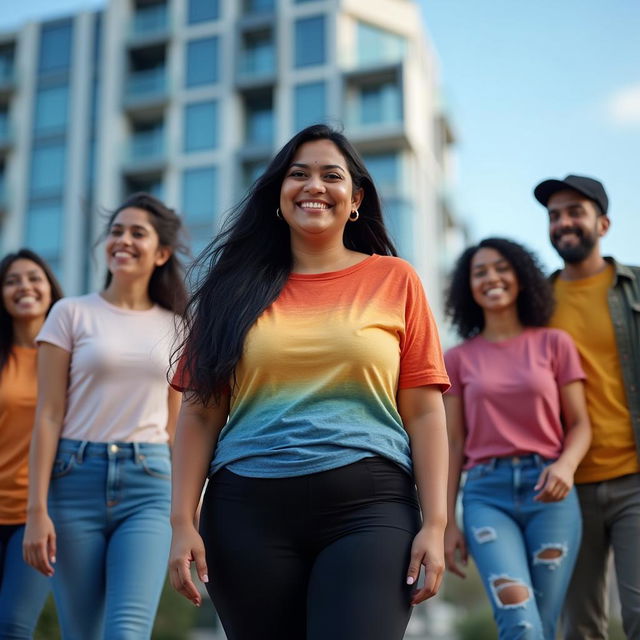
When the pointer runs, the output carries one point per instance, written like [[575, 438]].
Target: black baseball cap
[[589, 187]]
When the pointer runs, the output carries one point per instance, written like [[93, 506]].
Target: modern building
[[188, 99]]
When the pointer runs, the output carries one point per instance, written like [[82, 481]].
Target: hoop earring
[[278, 214], [354, 215]]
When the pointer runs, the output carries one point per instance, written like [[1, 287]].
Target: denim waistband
[[133, 450], [527, 460]]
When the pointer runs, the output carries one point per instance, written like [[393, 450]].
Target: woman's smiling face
[[317, 194]]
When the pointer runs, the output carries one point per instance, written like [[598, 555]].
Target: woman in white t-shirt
[[98, 512]]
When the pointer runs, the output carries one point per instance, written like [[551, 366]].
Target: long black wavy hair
[[6, 321], [167, 284], [244, 269], [535, 301]]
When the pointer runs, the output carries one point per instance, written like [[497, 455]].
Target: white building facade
[[189, 99]]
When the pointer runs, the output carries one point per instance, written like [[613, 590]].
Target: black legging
[[316, 557]]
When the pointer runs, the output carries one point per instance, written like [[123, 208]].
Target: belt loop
[[492, 464], [80, 451], [136, 452], [539, 461]]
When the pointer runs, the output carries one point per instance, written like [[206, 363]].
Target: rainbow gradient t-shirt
[[316, 385]]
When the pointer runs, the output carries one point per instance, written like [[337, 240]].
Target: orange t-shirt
[[17, 411]]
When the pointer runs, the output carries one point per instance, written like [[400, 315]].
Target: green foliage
[[47, 628], [477, 625], [175, 618]]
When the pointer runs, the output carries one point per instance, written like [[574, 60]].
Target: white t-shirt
[[118, 387]]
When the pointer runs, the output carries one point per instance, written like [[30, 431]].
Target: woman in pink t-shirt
[[518, 425], [99, 491]]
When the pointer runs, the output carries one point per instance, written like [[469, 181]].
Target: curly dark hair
[[535, 300]]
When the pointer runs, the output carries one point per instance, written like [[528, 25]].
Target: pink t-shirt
[[510, 392], [118, 387]]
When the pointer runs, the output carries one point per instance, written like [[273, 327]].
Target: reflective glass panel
[[202, 62], [310, 41], [309, 104], [199, 195], [203, 10], [201, 126], [55, 46], [52, 108]]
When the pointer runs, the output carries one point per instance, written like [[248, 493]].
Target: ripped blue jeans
[[525, 550]]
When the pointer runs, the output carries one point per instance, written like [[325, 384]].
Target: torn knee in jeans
[[484, 534], [510, 592], [550, 554]]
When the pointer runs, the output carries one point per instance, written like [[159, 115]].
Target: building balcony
[[146, 89], [6, 136], [7, 81], [4, 196], [146, 154], [149, 25]]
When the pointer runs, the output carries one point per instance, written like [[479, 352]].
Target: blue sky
[[534, 90]]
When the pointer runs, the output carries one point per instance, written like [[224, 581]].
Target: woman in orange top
[[29, 289]]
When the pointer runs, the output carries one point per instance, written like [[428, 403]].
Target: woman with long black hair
[[99, 493], [29, 289], [313, 378]]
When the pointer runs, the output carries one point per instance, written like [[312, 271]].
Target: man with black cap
[[598, 304]]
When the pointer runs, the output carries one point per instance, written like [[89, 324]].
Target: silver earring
[[354, 215], [278, 214]]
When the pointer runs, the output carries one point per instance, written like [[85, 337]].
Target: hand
[[454, 541], [554, 482], [187, 547], [427, 550], [39, 543]]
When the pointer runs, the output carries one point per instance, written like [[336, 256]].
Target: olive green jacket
[[624, 307]]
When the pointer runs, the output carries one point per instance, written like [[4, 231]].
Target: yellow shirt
[[582, 311]]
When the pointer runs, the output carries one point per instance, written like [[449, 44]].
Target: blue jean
[[520, 543], [110, 506], [23, 590]]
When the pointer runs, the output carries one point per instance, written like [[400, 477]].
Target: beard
[[578, 252]]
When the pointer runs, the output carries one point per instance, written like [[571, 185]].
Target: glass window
[[380, 103], [55, 46], [252, 170], [202, 62], [302, 1], [150, 18], [154, 186], [384, 169], [259, 6], [4, 124], [310, 104], [378, 45], [259, 122], [52, 108], [310, 41], [48, 168], [258, 54], [147, 140], [203, 10], [6, 64], [199, 195], [44, 222], [201, 126], [398, 218]]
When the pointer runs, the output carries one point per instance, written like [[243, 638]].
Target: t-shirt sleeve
[[421, 361], [58, 327], [567, 366], [452, 363], [180, 379]]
